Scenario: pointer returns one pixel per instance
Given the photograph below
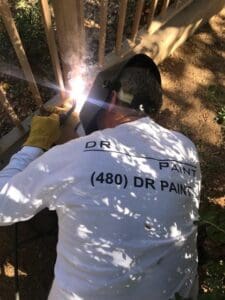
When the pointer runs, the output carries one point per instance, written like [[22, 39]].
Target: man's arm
[[18, 163], [20, 187]]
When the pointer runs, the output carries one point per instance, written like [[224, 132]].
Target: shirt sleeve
[[18, 199]]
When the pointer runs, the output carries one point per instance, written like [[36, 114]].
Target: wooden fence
[[70, 37], [69, 17]]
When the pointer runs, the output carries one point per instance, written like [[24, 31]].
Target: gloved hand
[[44, 131], [68, 128]]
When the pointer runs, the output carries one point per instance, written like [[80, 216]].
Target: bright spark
[[78, 91]]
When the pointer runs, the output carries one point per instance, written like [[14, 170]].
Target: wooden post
[[19, 49], [164, 7], [176, 3], [52, 44], [121, 23], [151, 13], [102, 32], [137, 18], [159, 21], [9, 109], [80, 24], [66, 17]]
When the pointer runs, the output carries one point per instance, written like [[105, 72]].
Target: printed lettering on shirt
[[179, 171], [138, 182], [172, 165]]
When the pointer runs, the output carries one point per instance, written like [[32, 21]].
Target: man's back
[[126, 199]]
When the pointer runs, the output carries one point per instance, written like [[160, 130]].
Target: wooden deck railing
[[69, 39]]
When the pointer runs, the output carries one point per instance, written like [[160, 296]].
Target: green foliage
[[28, 19], [29, 24], [220, 118], [214, 222], [178, 297], [211, 297], [213, 217], [214, 281], [215, 94]]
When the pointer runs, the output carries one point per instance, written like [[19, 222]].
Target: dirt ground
[[194, 90]]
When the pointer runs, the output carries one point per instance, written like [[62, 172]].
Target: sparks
[[78, 91]]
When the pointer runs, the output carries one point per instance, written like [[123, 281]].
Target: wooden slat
[[102, 32], [9, 110], [67, 35], [129, 49], [121, 23], [151, 13], [164, 7], [19, 49], [176, 3], [80, 24], [137, 18], [52, 44], [159, 21]]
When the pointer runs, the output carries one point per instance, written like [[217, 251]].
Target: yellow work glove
[[44, 131], [68, 128]]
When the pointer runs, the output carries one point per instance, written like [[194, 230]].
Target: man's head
[[134, 91], [140, 90]]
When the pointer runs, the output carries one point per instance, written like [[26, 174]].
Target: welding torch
[[63, 117]]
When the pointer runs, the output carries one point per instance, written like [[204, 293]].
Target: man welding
[[125, 198]]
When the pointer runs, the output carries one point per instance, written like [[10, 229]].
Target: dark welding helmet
[[107, 81]]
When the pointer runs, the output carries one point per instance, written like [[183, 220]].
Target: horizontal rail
[[16, 136]]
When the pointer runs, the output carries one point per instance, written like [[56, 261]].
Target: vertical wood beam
[[151, 13], [68, 35], [176, 3], [46, 15], [19, 49], [80, 24], [137, 18], [164, 7], [102, 32], [121, 23]]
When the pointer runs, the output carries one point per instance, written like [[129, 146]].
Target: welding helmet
[[107, 81]]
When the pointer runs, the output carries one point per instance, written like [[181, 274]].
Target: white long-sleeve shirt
[[126, 200]]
